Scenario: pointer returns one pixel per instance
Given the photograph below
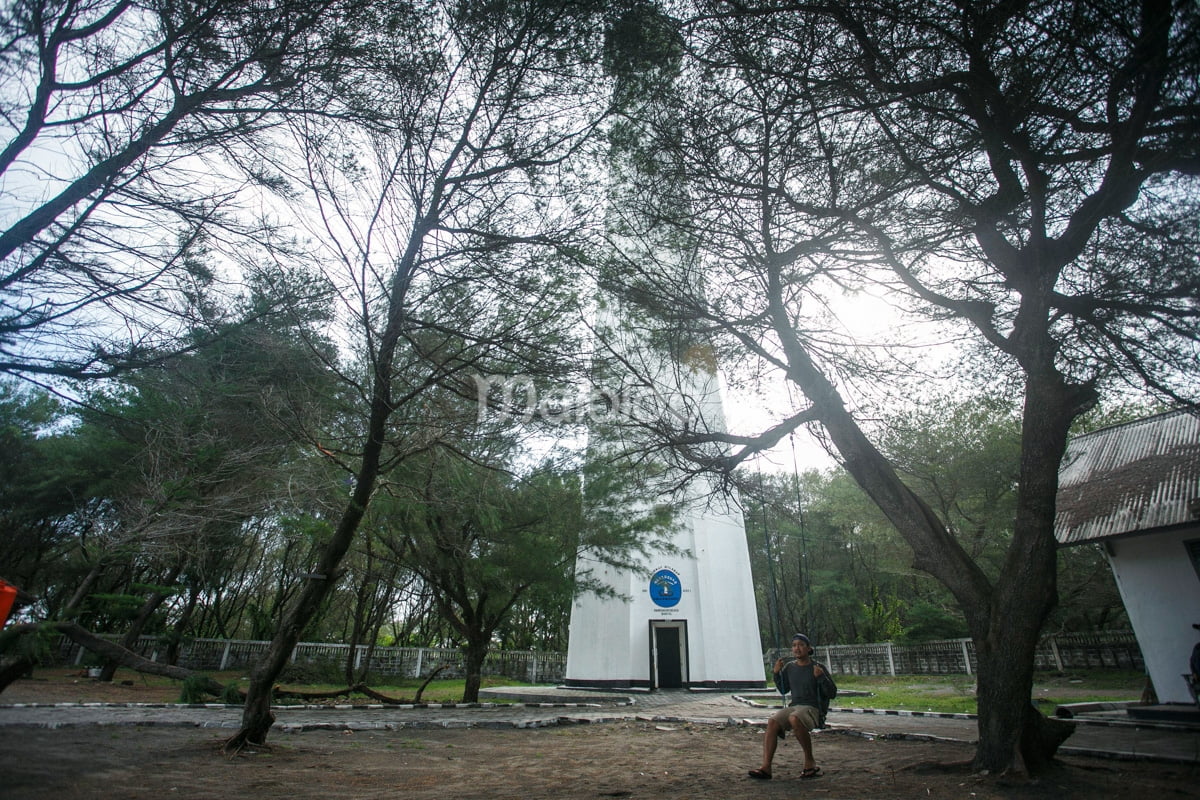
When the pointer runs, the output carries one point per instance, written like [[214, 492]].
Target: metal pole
[[805, 572], [774, 585]]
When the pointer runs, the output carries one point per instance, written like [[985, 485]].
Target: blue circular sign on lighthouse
[[665, 588]]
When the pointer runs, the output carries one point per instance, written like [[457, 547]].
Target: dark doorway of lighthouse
[[668, 654]]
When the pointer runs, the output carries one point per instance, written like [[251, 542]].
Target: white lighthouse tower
[[686, 615]]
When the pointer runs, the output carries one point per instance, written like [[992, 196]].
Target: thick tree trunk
[[1005, 616], [1013, 735], [257, 717], [18, 668], [476, 653]]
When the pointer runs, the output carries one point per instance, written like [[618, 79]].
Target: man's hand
[[778, 665], [817, 671]]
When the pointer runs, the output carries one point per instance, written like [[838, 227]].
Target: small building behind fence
[[1134, 489]]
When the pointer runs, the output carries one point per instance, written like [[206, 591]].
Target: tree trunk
[[82, 590], [476, 653], [134, 632], [348, 671], [1005, 617], [176, 636], [105, 649], [1013, 735], [257, 717], [1004, 694], [20, 667]]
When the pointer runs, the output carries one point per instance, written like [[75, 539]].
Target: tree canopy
[[128, 131], [308, 231], [1018, 176]]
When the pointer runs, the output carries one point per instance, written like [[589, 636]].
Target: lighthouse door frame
[[669, 668]]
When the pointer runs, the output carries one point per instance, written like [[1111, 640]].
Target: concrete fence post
[[1058, 665]]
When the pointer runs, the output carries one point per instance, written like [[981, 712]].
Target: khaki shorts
[[809, 716]]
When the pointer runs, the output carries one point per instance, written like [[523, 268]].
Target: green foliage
[[882, 618], [40, 479], [962, 458], [642, 39], [842, 571], [311, 530], [35, 646], [192, 689], [1115, 412], [231, 696], [24, 412], [926, 621], [111, 607], [164, 469], [154, 588], [261, 621]]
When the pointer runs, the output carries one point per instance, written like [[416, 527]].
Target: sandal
[[759, 774], [810, 772]]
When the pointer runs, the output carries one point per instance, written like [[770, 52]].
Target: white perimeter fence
[[1060, 652], [208, 655]]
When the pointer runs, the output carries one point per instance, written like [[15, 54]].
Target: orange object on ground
[[8, 593]]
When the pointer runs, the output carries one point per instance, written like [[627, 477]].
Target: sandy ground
[[627, 759]]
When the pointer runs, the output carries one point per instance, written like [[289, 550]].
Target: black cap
[[802, 638]]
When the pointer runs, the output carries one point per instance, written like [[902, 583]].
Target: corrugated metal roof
[[1128, 478]]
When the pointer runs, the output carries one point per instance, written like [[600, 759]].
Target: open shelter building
[[1135, 489]]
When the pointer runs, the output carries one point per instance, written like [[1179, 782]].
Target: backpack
[[824, 697]]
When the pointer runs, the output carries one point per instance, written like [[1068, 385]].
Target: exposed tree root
[[238, 745]]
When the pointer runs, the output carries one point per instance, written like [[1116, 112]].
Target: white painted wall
[[610, 638], [599, 643], [1161, 592]]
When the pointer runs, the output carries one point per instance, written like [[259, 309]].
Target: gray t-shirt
[[798, 679]]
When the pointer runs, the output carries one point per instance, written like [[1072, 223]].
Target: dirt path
[[636, 760], [679, 761]]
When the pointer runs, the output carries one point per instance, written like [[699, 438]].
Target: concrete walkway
[[541, 707]]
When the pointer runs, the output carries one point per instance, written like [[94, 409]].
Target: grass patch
[[438, 691], [956, 693], [943, 693], [939, 693]]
